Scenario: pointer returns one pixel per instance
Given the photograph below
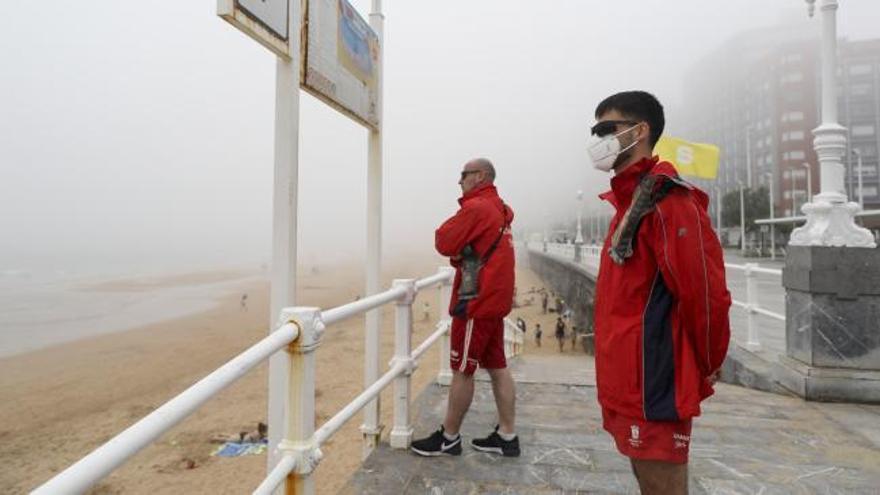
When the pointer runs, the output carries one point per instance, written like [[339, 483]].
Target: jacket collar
[[624, 184], [480, 190]]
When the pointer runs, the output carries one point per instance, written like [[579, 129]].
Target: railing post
[[513, 346], [401, 433], [297, 441], [520, 337], [444, 377], [510, 342], [752, 343]]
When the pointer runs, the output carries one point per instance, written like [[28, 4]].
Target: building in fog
[[758, 97]]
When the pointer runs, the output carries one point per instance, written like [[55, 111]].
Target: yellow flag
[[694, 159]]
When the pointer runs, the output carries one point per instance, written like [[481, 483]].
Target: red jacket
[[479, 222], [661, 317]]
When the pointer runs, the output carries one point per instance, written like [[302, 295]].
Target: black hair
[[639, 105]]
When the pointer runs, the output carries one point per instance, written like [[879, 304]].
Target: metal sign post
[[284, 224], [336, 57], [271, 23], [371, 428]]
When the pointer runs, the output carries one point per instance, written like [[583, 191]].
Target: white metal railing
[[89, 470], [751, 305], [589, 256], [513, 339], [300, 334]]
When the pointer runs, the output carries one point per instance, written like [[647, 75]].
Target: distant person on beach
[[426, 311], [661, 305], [538, 333], [560, 333], [478, 242], [544, 301], [243, 304], [574, 336]]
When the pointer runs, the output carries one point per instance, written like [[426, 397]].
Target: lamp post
[[579, 238], [772, 216], [718, 211], [859, 165], [742, 218], [546, 223], [749, 156], [793, 189], [830, 216]]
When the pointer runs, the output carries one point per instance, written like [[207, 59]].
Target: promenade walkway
[[746, 442]]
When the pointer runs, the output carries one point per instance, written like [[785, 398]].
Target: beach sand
[[62, 402]]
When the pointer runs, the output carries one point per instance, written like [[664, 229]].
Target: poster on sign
[[266, 21], [341, 59]]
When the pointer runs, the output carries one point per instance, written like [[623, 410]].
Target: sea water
[[51, 301]]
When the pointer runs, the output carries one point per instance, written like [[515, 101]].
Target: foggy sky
[[129, 131]]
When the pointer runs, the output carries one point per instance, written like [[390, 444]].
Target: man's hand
[[713, 378], [455, 258]]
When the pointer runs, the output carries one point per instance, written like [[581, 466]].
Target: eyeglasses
[[465, 173], [608, 127]]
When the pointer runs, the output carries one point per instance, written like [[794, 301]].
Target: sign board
[[267, 21], [340, 63]]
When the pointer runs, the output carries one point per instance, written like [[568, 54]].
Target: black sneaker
[[497, 445], [436, 445]]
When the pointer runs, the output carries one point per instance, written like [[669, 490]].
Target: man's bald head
[[477, 171], [483, 165]]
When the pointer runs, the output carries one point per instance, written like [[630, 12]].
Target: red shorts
[[638, 438], [477, 342]]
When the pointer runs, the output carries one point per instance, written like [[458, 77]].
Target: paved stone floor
[[746, 442]]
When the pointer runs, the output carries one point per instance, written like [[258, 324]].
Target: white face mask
[[604, 151]]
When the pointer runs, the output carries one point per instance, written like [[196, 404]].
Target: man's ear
[[645, 132]]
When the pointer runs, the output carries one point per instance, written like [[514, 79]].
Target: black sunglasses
[[465, 173], [609, 127]]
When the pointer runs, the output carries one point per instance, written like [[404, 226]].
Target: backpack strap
[[650, 191], [500, 235]]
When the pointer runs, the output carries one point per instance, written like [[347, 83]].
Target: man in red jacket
[[661, 305], [478, 242]]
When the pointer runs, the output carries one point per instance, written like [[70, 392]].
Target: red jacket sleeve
[[691, 262], [457, 232]]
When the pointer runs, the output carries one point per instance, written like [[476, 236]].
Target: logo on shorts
[[634, 436], [680, 441]]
